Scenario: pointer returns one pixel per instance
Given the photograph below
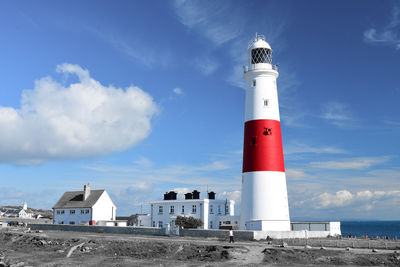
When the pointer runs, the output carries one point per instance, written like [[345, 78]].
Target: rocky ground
[[54, 248]]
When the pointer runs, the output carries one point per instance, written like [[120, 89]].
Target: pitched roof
[[9, 212], [74, 199]]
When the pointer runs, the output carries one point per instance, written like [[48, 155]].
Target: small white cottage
[[84, 207]]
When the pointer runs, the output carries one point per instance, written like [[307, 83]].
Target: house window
[[71, 222], [226, 209], [211, 209], [82, 211], [61, 222], [58, 212], [183, 209], [160, 224], [211, 225], [194, 208], [172, 210], [219, 209], [236, 222], [160, 209], [62, 211], [254, 83], [154, 224], [87, 211], [220, 223], [71, 211]]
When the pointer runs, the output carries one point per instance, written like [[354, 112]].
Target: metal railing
[[253, 67]]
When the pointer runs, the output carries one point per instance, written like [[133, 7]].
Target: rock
[[322, 248], [307, 247], [39, 231], [374, 250], [347, 249], [86, 249], [284, 245], [19, 264]]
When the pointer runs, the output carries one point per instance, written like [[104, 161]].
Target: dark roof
[[74, 199], [8, 212], [121, 218]]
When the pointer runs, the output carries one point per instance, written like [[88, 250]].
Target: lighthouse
[[264, 195]]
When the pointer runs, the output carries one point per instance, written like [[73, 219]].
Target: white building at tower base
[[214, 213]]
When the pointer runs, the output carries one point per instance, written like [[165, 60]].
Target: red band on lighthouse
[[263, 146]]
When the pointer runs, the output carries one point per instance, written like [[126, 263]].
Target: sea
[[382, 229]]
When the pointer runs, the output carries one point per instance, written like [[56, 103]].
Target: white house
[[19, 213], [144, 220], [84, 207], [213, 213]]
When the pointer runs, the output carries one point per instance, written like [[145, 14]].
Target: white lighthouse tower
[[264, 194]]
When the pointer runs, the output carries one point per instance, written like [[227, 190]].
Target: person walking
[[231, 239]]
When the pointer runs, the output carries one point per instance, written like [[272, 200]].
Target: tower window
[[254, 83], [261, 55], [253, 141], [266, 102]]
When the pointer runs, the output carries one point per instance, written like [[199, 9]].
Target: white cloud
[[211, 18], [348, 163], [296, 147], [144, 162], [82, 119], [392, 123], [230, 195], [340, 198], [206, 65], [297, 174], [177, 91], [135, 50], [389, 35], [337, 114], [345, 198], [214, 166]]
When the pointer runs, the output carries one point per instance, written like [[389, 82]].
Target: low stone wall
[[240, 235], [259, 235], [220, 234], [98, 229], [27, 221]]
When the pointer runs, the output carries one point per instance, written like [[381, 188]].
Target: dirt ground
[[56, 248]]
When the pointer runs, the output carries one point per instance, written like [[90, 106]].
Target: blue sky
[[141, 97]]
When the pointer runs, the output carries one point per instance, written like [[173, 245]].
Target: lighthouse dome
[[259, 42], [259, 50]]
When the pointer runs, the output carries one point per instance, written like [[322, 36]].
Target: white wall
[[112, 223], [332, 227], [104, 209], [203, 211], [67, 217], [144, 220]]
